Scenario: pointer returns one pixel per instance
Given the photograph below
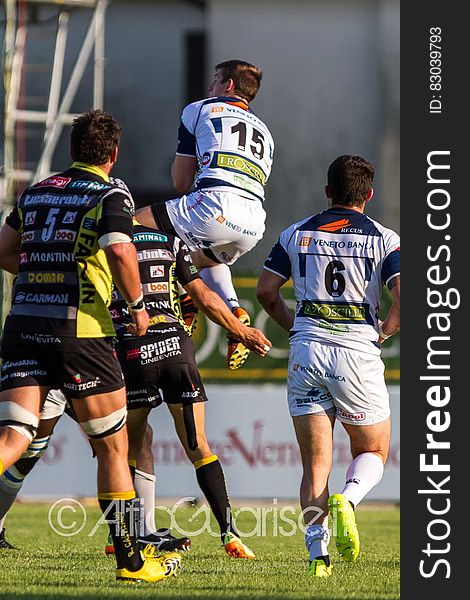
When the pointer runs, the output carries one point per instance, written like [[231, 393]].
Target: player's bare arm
[[391, 324], [10, 241], [183, 171], [215, 308], [122, 260], [269, 296]]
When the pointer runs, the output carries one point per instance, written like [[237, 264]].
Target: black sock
[[118, 513], [325, 558], [211, 480]]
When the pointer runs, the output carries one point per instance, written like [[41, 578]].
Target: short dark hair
[[246, 77], [94, 136], [349, 180]]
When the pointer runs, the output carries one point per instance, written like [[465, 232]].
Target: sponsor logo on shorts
[[314, 396], [52, 257], [133, 353], [315, 371], [23, 258], [46, 277], [65, 235], [90, 224], [81, 386], [194, 394], [160, 350], [40, 339], [27, 236], [58, 182], [157, 271], [305, 241], [359, 416]]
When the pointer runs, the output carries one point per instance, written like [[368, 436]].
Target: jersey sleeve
[[14, 219], [391, 263], [187, 132], [116, 215], [278, 261], [186, 270]]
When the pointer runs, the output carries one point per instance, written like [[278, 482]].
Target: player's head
[[350, 181], [95, 138], [236, 78]]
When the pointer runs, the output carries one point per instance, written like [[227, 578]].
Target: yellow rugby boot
[[344, 528], [319, 568], [153, 569], [237, 353]]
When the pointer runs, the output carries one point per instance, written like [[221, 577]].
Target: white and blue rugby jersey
[[233, 147], [339, 261]]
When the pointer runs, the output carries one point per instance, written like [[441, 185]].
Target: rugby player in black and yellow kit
[[66, 239], [161, 366]]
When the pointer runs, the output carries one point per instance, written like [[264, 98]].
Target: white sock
[[144, 484], [219, 279], [364, 473], [317, 538]]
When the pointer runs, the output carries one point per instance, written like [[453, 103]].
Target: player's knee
[[19, 419], [32, 454], [103, 427]]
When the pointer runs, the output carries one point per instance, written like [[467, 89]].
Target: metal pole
[[98, 87]]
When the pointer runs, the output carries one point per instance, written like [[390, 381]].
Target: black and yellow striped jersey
[[164, 261], [64, 283]]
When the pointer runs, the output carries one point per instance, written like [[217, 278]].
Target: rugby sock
[[317, 538], [211, 480], [219, 279], [119, 511], [11, 481], [10, 484], [364, 473], [144, 484]]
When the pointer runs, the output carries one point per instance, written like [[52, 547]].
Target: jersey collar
[[91, 169]]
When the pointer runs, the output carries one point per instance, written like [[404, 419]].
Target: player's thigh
[[356, 381], [369, 438]]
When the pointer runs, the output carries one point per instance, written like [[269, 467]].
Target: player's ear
[[114, 155], [230, 86], [369, 194]]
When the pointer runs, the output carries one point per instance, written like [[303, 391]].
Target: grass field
[[51, 566]]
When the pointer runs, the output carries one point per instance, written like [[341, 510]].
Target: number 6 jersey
[[233, 147], [339, 261]]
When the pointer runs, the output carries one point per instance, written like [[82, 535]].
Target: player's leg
[[362, 406], [314, 434], [11, 481], [209, 474], [93, 380]]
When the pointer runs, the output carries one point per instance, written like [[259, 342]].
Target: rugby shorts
[[325, 379], [160, 368], [223, 224], [79, 367]]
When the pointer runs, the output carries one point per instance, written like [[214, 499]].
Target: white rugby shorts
[[222, 221], [334, 380]]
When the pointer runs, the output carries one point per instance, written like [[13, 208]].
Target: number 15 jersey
[[233, 147], [339, 261]]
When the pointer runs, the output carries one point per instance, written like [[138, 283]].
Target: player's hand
[[255, 340], [140, 323]]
